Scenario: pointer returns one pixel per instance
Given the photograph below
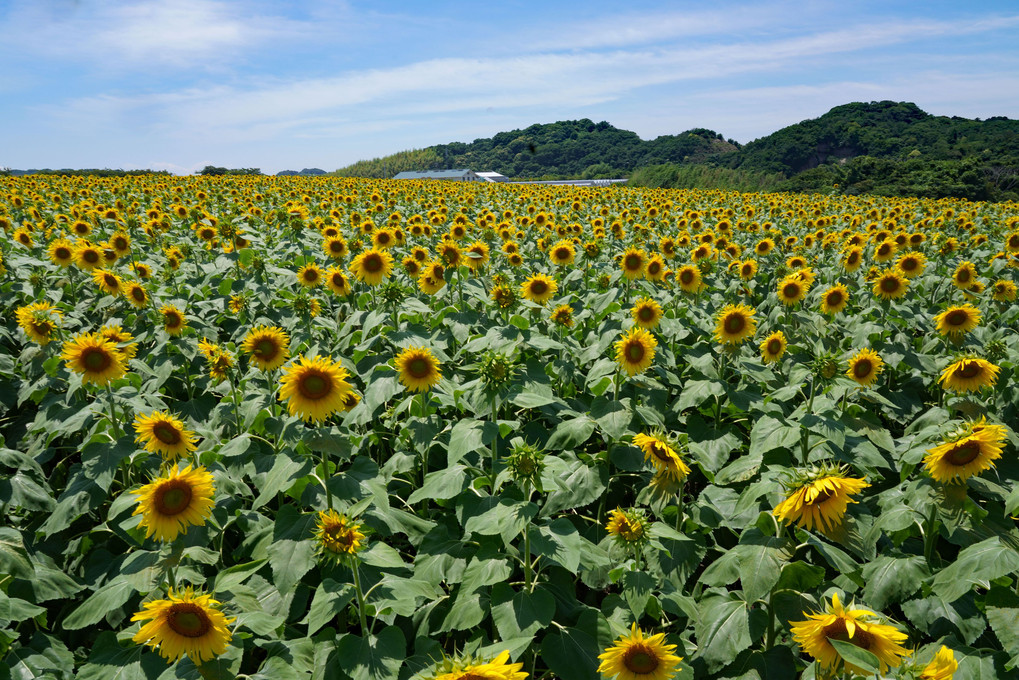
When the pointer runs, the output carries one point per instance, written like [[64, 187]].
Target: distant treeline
[[86, 172]]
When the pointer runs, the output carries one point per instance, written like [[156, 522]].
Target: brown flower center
[[419, 368], [372, 263], [863, 368], [311, 275], [969, 369], [188, 619], [962, 276], [166, 433], [172, 497], [138, 293], [791, 290], [774, 346], [646, 314], [635, 352], [62, 253], [314, 385], [640, 659], [734, 323], [837, 631], [265, 349], [633, 262], [96, 360], [957, 317], [889, 285], [539, 287], [965, 452], [834, 298]]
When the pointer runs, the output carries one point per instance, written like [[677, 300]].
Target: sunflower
[[969, 374], [834, 299], [911, 265], [61, 252], [136, 294], [314, 388], [885, 251], [39, 320], [969, 453], [335, 247], [1004, 290], [747, 269], [372, 266], [220, 363], [563, 316], [791, 290], [629, 527], [171, 504], [337, 282], [562, 253], [633, 263], [764, 246], [635, 657], [821, 502], [853, 259], [432, 278], [120, 242], [942, 667], [539, 288], [661, 454], [310, 275], [164, 434], [864, 367], [476, 255], [890, 285], [107, 281], [498, 668], [689, 278], [655, 269], [383, 239], [418, 368], [856, 626], [773, 347], [337, 535], [734, 324], [184, 623], [955, 321], [964, 276], [174, 321], [98, 360], [635, 351], [646, 313], [268, 346]]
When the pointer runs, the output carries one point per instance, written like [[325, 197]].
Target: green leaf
[[760, 560], [709, 446], [284, 474], [468, 611], [1002, 609], [14, 558], [769, 434], [857, 656], [44, 657], [468, 436], [698, 392], [329, 600], [111, 596], [937, 617], [558, 541], [109, 660], [976, 565], [570, 434], [236, 575], [521, 614], [613, 418], [723, 630], [16, 609], [291, 554], [441, 484], [485, 572], [571, 654], [506, 517], [892, 579]]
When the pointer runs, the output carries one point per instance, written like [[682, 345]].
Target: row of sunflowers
[[332, 428]]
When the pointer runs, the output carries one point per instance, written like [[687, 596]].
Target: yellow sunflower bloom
[[372, 266], [337, 535], [184, 623], [418, 369], [955, 321], [539, 288], [965, 275], [773, 347], [174, 502], [563, 316], [268, 346], [315, 388], [689, 278], [942, 667], [911, 264], [834, 300], [136, 294], [164, 434], [98, 360], [61, 252], [791, 290], [1004, 290], [821, 503], [107, 281], [39, 320], [969, 375], [174, 321], [890, 285], [961, 457], [635, 657], [337, 282], [310, 275], [864, 367], [498, 668], [628, 527], [635, 350], [734, 324], [634, 263], [662, 455], [646, 313]]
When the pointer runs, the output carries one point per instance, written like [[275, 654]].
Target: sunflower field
[[292, 428]]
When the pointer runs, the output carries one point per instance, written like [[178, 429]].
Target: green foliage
[[702, 176]]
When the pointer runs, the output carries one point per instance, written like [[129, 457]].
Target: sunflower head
[[636, 657], [628, 527], [957, 320], [969, 374], [164, 434], [635, 350], [39, 320], [497, 370], [98, 360], [864, 367], [175, 501], [268, 346], [633, 263], [968, 451], [503, 296], [663, 452], [185, 623], [418, 369], [338, 537], [314, 388], [818, 498], [563, 316], [526, 463], [470, 668], [942, 667], [773, 347], [539, 288], [734, 324]]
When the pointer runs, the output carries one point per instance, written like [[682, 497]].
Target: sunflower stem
[[528, 576], [237, 404], [495, 440], [355, 567], [113, 414], [325, 478]]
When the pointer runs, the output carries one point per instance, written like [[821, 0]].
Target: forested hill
[[891, 148], [572, 148]]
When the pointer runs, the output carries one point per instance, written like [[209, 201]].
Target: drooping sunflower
[[955, 321], [337, 282], [890, 285], [337, 535], [269, 347], [539, 288], [184, 623], [734, 324], [39, 320], [314, 388], [635, 657], [172, 503], [969, 374], [791, 290], [820, 502], [859, 627], [661, 454], [966, 453], [646, 313], [310, 275], [689, 278], [773, 347], [498, 668], [164, 434], [964, 276], [220, 363], [98, 360], [635, 350], [942, 667], [628, 527], [864, 367], [174, 321], [418, 368], [834, 299], [563, 316], [633, 263], [372, 266]]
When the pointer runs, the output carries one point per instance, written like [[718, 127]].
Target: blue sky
[[180, 84]]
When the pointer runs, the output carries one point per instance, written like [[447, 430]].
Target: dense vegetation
[[887, 148]]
